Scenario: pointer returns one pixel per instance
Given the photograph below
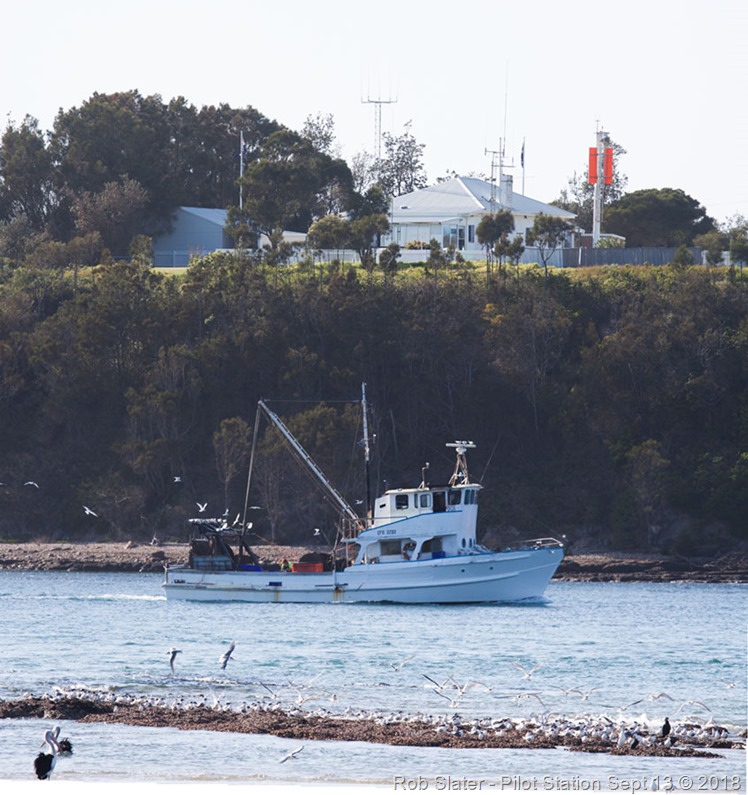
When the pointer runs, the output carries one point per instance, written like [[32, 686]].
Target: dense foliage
[[610, 405]]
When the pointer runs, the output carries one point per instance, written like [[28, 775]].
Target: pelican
[[224, 658], [88, 511], [291, 754], [44, 764], [528, 674], [173, 656]]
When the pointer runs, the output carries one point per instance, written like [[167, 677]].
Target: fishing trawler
[[415, 545]]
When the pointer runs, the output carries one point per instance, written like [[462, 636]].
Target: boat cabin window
[[389, 547], [425, 500], [440, 502], [401, 502], [454, 497]]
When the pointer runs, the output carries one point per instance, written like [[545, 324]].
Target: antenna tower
[[378, 120]]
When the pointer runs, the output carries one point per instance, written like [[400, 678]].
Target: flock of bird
[[540, 726]]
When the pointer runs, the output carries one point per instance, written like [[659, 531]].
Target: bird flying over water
[[201, 506], [31, 483], [397, 666], [88, 511], [291, 754], [224, 658], [173, 656], [528, 674]]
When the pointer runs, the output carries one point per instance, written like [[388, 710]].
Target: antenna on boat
[[366, 450], [460, 475]]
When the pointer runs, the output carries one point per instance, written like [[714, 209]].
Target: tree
[[231, 446], [364, 234], [713, 243], [736, 229], [388, 258], [115, 212], [320, 131], [491, 229], [26, 175], [401, 170], [282, 188], [658, 217], [739, 248], [548, 232], [329, 233]]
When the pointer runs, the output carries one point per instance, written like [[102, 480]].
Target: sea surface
[[678, 650]]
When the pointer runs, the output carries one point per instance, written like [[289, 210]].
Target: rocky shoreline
[[576, 567], [594, 736]]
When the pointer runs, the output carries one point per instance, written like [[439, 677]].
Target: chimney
[[506, 191]]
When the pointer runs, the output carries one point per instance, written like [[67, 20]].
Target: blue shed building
[[196, 231]]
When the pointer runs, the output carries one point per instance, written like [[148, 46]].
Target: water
[[618, 643]]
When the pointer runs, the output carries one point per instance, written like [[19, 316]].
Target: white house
[[450, 212]]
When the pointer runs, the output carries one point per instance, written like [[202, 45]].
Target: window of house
[[454, 236], [471, 233]]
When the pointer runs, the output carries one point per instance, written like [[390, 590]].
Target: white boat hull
[[511, 576]]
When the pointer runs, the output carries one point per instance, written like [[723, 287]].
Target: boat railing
[[541, 543]]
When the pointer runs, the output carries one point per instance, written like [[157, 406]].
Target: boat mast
[[366, 451], [460, 475], [305, 458]]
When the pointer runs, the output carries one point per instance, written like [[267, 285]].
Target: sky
[[667, 79]]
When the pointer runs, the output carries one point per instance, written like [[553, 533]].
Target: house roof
[[463, 196], [214, 215]]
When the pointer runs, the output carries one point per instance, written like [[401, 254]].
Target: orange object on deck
[[307, 568]]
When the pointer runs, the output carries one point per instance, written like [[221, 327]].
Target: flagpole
[[241, 169], [523, 166]]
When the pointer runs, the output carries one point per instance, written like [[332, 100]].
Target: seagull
[[173, 656], [316, 531], [439, 687], [31, 483], [236, 521], [88, 511], [201, 506], [696, 703], [399, 665], [585, 696], [528, 695], [291, 754], [44, 764], [224, 658], [177, 478], [528, 674], [658, 696]]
